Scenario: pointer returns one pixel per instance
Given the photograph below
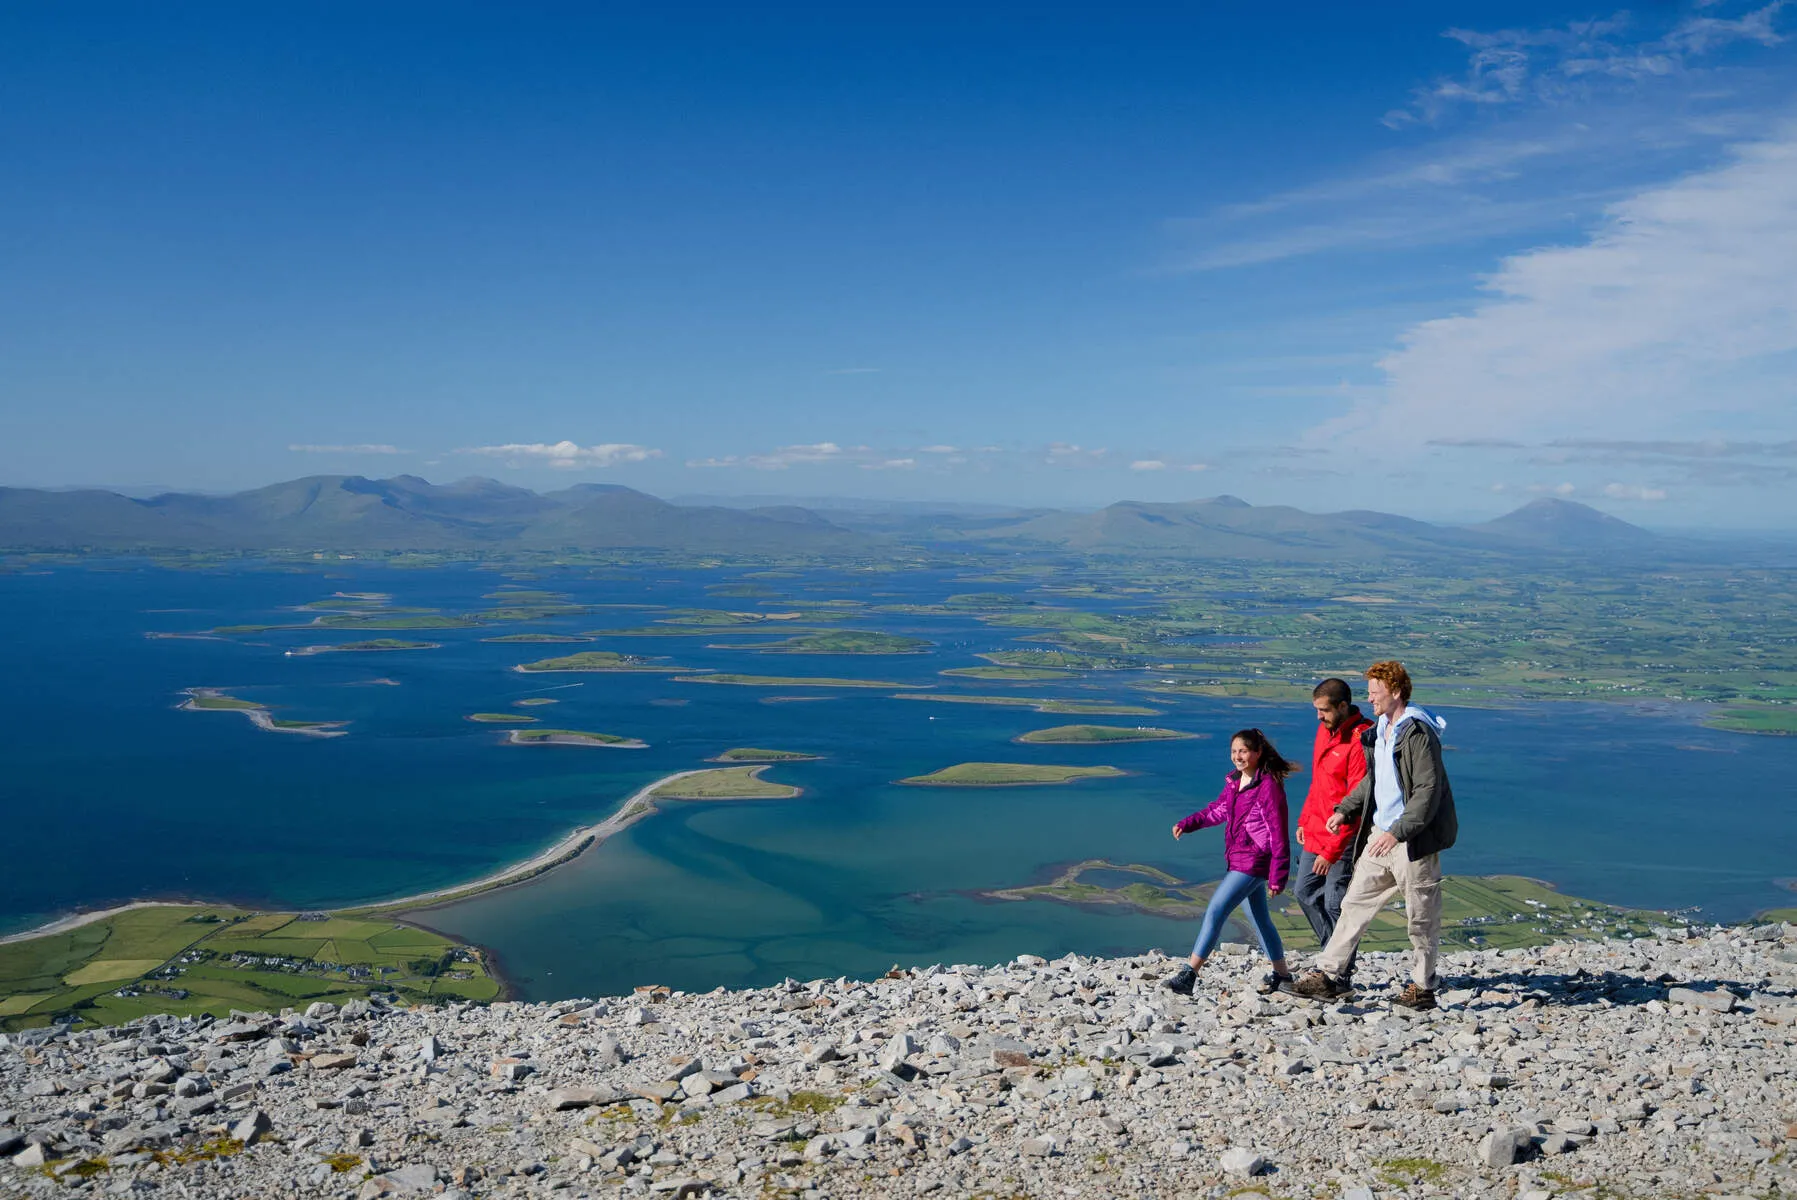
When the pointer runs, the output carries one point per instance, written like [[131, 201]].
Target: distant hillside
[[1562, 524], [349, 512]]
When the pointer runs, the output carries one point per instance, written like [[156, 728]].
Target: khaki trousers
[[1376, 880]]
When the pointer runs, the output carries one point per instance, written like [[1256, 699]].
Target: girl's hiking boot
[[1272, 982], [1420, 998], [1317, 986], [1181, 981]]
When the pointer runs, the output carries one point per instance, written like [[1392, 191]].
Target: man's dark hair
[[1334, 690]]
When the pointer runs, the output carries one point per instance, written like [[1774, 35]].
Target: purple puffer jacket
[[1256, 838]]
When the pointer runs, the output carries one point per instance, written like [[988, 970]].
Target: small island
[[501, 719], [724, 783], [1041, 705], [218, 700], [790, 681], [572, 737], [993, 774], [840, 642], [374, 645], [593, 660], [538, 637], [1068, 735], [534, 701], [750, 754], [1010, 674]]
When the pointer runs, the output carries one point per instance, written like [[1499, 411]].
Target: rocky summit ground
[[1659, 1067]]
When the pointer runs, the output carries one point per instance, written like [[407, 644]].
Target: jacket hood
[[1414, 712]]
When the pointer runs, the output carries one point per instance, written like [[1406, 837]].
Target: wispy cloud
[[1570, 119], [787, 456], [1686, 290], [1511, 66], [1633, 491], [1148, 464], [564, 456], [358, 448]]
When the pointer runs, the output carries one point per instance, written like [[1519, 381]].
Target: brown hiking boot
[[1419, 998], [1316, 986]]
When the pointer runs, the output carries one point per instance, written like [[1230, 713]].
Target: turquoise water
[[111, 794]]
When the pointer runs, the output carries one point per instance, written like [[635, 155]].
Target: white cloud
[[1682, 301], [359, 448], [565, 456], [938, 449], [1633, 491], [1552, 489], [787, 456], [1148, 464], [889, 464]]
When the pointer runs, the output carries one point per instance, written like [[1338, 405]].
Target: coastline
[[261, 717], [566, 850]]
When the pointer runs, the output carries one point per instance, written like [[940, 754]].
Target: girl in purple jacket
[[1256, 849]]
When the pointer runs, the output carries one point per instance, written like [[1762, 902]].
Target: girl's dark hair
[[1271, 761]]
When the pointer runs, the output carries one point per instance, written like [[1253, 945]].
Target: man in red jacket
[[1326, 860]]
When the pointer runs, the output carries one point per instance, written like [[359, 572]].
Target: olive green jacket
[[1428, 824]]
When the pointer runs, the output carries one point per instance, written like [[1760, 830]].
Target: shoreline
[[260, 716], [635, 808]]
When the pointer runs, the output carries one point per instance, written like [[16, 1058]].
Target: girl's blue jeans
[[1236, 887]]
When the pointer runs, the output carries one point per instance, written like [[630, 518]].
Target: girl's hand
[[1177, 831], [1274, 891]]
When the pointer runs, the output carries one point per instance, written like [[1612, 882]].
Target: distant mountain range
[[349, 512]]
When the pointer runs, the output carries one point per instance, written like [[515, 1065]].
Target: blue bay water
[[110, 793]]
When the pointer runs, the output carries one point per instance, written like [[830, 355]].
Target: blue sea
[[110, 793]]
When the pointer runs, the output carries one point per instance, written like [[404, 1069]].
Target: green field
[[1076, 734], [222, 702], [725, 783], [1009, 674], [502, 718], [994, 774], [570, 737], [540, 638], [1493, 911], [841, 642], [594, 660], [193, 959], [750, 754], [1777, 720], [789, 681], [1076, 707]]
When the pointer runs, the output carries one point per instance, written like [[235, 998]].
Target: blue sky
[[1429, 258]]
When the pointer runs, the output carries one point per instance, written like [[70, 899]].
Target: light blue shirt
[[1388, 793]]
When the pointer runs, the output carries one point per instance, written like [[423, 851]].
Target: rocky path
[[1644, 1069]]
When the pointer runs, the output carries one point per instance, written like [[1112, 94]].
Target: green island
[[1061, 660], [534, 701], [382, 620], [529, 612], [790, 681], [216, 700], [1041, 705], [372, 645], [517, 596], [1010, 674], [572, 737], [996, 774], [190, 959], [1491, 911], [594, 660], [1064, 735], [1775, 720], [488, 718], [724, 783], [749, 754], [538, 637], [848, 641]]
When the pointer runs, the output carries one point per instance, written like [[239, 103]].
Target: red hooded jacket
[[1337, 764]]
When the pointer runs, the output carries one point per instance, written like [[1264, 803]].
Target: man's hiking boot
[[1317, 986], [1420, 998], [1272, 982], [1181, 981]]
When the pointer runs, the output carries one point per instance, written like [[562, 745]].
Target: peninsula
[[218, 700]]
